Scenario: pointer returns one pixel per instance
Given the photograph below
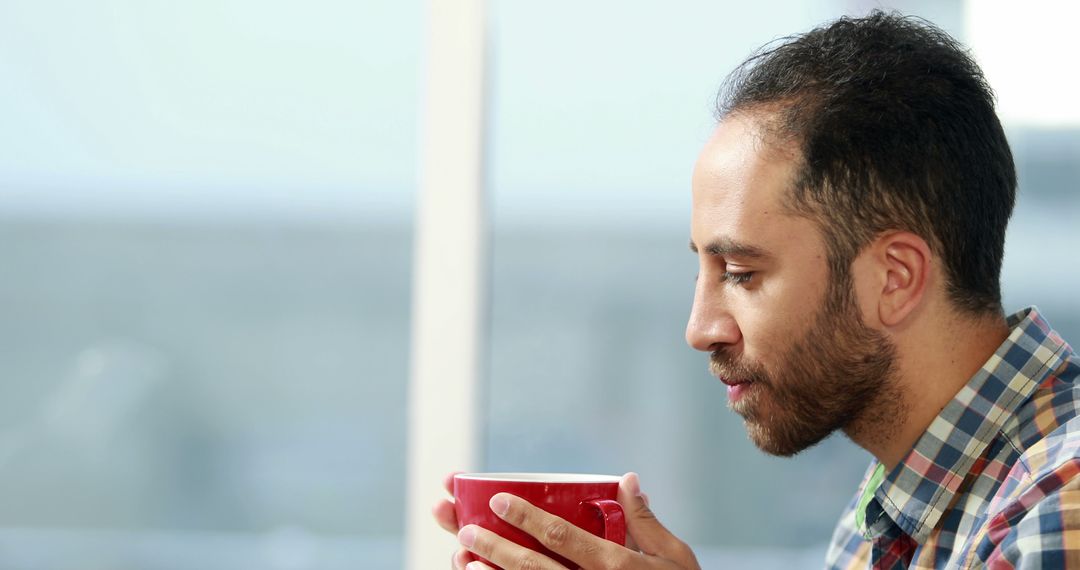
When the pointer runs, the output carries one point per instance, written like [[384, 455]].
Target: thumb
[[641, 524]]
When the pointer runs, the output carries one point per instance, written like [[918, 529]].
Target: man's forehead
[[736, 170], [744, 139], [731, 144], [740, 187]]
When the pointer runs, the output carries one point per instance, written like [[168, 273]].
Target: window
[[205, 227]]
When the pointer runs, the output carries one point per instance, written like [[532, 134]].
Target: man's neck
[[934, 361]]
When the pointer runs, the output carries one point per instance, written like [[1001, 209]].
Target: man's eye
[[743, 277]]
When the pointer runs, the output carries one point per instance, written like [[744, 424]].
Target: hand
[[447, 517], [659, 549]]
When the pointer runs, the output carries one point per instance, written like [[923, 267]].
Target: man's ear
[[903, 260]]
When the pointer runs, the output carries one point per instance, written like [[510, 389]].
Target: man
[[849, 218]]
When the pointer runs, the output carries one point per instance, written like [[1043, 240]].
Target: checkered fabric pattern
[[994, 482]]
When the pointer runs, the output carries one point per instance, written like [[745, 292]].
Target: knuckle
[[645, 513], [683, 552], [528, 561], [589, 548], [691, 560], [556, 534]]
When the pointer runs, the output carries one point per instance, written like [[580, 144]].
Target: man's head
[[896, 129], [856, 170]]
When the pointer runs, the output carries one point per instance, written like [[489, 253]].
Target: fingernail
[[467, 536], [633, 484], [499, 504]]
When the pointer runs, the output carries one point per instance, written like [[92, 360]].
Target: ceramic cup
[[587, 501]]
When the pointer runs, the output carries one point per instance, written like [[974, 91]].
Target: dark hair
[[897, 130]]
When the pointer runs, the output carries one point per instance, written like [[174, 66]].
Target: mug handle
[[614, 520]]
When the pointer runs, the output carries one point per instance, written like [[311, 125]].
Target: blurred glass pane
[[204, 228], [1042, 27], [1041, 242]]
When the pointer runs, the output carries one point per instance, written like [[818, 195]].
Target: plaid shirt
[[994, 481]]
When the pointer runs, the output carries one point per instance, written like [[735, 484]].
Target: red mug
[[587, 501]]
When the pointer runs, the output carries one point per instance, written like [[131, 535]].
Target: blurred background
[[206, 233]]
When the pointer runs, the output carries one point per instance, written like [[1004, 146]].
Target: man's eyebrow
[[725, 246]]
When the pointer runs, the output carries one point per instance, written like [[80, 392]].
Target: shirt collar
[[913, 496]]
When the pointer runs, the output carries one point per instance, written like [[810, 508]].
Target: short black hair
[[897, 131]]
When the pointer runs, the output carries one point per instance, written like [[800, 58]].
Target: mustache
[[725, 365]]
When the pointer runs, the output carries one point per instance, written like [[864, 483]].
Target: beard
[[826, 381]]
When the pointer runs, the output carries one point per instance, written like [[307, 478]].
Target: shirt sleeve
[[1040, 529]]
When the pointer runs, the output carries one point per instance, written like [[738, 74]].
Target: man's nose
[[711, 325]]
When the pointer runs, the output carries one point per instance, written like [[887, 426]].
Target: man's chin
[[748, 404], [780, 442]]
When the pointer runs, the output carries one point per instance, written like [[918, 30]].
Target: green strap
[[867, 494]]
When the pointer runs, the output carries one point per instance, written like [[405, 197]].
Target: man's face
[[789, 342]]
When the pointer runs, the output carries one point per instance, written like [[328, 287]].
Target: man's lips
[[733, 381], [737, 389]]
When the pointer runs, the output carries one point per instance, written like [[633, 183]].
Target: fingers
[[560, 536], [646, 531], [443, 511], [657, 544], [506, 554], [461, 562], [446, 516], [448, 481]]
